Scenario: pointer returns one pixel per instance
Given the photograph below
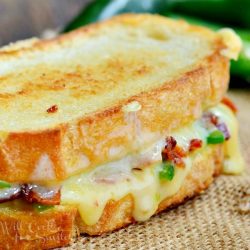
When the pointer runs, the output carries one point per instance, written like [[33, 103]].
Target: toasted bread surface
[[54, 228], [67, 105]]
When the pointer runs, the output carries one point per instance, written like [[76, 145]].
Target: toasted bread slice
[[24, 229], [65, 102]]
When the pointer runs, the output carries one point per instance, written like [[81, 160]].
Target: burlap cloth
[[210, 221]]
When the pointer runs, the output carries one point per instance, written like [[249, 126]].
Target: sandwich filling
[[150, 176]]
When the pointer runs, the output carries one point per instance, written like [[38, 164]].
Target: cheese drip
[[91, 191], [233, 162]]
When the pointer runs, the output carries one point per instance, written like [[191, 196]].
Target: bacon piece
[[211, 118], [214, 119], [9, 194], [178, 161], [195, 144], [46, 196], [223, 128], [169, 147], [180, 151], [172, 152], [228, 102], [170, 143]]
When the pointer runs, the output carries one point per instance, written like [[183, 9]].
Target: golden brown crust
[[65, 144], [20, 151], [98, 133], [56, 228], [69, 148], [63, 150]]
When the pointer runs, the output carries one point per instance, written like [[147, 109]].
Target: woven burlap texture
[[210, 221]]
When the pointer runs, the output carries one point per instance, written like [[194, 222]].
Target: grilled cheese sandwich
[[111, 124]]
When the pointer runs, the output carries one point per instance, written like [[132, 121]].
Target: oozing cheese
[[232, 41], [91, 191], [233, 163]]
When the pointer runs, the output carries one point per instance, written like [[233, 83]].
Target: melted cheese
[[233, 163], [91, 191], [233, 43]]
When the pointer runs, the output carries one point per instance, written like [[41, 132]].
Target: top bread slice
[[104, 91]]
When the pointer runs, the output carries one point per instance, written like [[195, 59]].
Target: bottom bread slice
[[22, 228]]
